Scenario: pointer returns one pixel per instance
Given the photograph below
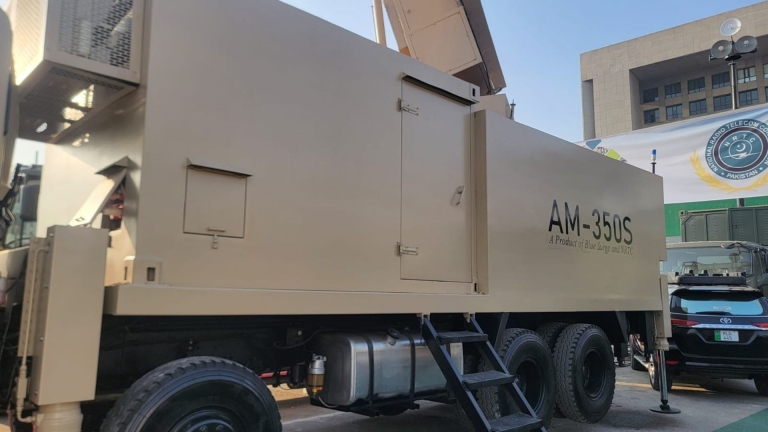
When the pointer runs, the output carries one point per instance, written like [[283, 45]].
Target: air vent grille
[[96, 36], [98, 30], [28, 21]]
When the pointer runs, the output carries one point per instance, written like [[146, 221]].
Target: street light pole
[[731, 51], [734, 86]]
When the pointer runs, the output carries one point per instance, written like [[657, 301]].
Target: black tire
[[761, 384], [525, 355], [471, 361], [655, 378], [198, 392], [549, 332], [635, 364], [586, 374]]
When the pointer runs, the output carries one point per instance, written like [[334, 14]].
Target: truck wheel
[[586, 374], [655, 378], [527, 357], [471, 361], [761, 383], [196, 394], [634, 349], [550, 332]]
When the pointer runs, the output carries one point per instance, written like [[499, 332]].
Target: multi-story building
[[667, 76]]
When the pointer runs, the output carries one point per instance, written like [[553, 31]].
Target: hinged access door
[[436, 229]]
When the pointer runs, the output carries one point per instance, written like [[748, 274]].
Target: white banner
[[719, 156]]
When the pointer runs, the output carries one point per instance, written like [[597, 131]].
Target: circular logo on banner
[[738, 150]]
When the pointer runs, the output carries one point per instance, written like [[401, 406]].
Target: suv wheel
[[654, 377], [634, 350]]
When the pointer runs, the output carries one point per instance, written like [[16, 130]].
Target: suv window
[[717, 303], [713, 260]]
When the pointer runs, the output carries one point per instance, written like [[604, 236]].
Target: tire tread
[[550, 332], [131, 402], [565, 355], [488, 398]]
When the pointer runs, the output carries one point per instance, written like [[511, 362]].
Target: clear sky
[[539, 43]]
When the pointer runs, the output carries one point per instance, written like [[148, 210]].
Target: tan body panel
[[436, 211], [523, 172], [69, 176], [68, 297], [312, 111], [312, 114]]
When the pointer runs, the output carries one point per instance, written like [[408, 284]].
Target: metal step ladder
[[464, 385]]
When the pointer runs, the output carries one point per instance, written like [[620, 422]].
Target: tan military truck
[[238, 194]]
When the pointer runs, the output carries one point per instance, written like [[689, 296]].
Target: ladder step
[[517, 422], [492, 378], [461, 337]]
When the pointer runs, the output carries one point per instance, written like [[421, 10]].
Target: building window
[[765, 71], [651, 95], [651, 116], [674, 112], [721, 80], [696, 85], [766, 93], [672, 90], [698, 107], [722, 102], [748, 97], [746, 75]]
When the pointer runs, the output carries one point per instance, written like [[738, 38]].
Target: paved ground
[[707, 405]]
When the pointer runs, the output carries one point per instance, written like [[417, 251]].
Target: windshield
[[715, 260]]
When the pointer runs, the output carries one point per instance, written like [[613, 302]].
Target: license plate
[[726, 336]]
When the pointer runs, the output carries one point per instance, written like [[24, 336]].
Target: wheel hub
[[593, 374], [520, 381], [530, 380], [209, 420]]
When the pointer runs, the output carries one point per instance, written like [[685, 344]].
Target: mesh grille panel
[[98, 30], [60, 100], [28, 24]]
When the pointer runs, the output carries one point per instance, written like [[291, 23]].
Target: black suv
[[719, 330]]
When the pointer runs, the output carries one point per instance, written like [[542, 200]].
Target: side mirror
[[29, 195]]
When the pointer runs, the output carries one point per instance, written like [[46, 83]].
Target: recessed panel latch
[[406, 250], [408, 108]]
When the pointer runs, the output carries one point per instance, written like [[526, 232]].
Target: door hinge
[[406, 250], [407, 108]]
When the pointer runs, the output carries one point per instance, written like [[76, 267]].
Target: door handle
[[457, 196]]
